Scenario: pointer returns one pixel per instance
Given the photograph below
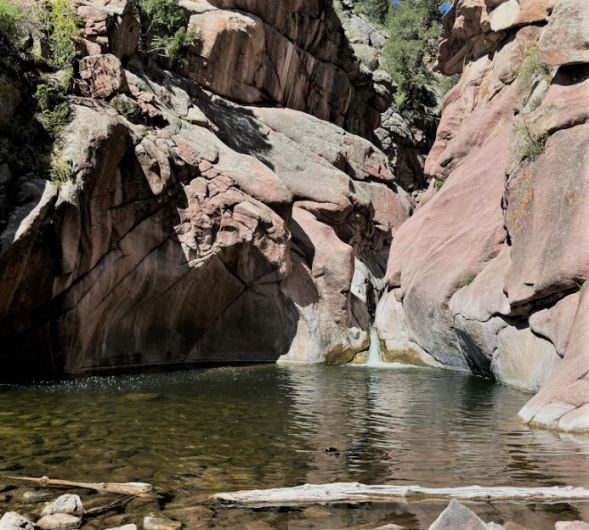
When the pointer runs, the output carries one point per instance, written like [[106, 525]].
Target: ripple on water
[[240, 428]]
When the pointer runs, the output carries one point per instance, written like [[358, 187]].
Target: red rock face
[[487, 275], [195, 229]]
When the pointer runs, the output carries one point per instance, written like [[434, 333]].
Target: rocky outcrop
[[406, 142], [487, 276], [194, 228], [290, 53]]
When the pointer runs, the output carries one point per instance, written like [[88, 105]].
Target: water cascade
[[374, 358]]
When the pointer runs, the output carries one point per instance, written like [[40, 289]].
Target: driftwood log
[[135, 489], [355, 492]]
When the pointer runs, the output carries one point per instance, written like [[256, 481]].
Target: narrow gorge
[[260, 195]]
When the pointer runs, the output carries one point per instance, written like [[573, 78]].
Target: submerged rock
[[64, 504], [574, 525], [33, 497], [59, 521], [160, 523], [459, 517], [14, 521]]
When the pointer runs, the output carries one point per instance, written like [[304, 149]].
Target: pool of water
[[192, 434]]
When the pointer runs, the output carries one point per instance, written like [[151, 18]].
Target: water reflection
[[200, 432]]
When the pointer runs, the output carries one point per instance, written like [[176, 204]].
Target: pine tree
[[414, 27], [376, 10]]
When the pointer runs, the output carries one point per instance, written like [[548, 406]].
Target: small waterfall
[[374, 358]]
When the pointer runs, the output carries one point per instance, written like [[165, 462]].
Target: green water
[[195, 433]]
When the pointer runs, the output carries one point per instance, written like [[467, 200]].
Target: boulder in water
[[64, 504], [572, 525]]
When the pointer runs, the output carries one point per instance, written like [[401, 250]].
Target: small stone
[[126, 527], [34, 497], [572, 525], [59, 521], [64, 504], [14, 521], [159, 523]]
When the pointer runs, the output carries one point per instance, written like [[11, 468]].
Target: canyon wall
[[488, 276], [203, 220]]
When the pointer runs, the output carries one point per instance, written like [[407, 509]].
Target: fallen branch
[[136, 489], [105, 508], [355, 492]]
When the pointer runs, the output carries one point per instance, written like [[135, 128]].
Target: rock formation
[[196, 228], [488, 276], [406, 142]]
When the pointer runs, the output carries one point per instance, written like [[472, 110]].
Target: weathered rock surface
[[292, 53], [195, 229], [487, 275]]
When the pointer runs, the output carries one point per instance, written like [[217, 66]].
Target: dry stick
[[355, 492], [105, 508], [136, 489]]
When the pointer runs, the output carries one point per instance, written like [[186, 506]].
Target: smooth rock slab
[[64, 504], [14, 521], [59, 521], [459, 517], [159, 523]]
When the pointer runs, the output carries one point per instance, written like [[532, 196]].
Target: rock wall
[[488, 276], [195, 228], [292, 53]]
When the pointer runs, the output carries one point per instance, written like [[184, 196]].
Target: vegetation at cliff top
[[409, 55], [37, 63], [163, 25]]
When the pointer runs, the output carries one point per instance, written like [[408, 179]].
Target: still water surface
[[206, 431]]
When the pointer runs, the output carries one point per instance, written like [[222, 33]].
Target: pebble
[[59, 521], [159, 523]]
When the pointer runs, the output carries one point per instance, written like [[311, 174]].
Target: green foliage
[[11, 18], [439, 184], [533, 68], [414, 26], [533, 144], [60, 169], [65, 31], [55, 110], [376, 10], [468, 280], [163, 24]]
